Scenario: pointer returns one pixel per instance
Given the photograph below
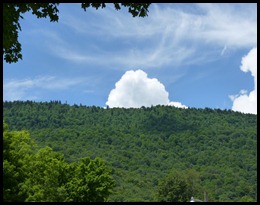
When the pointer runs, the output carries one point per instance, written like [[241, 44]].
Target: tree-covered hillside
[[146, 145]]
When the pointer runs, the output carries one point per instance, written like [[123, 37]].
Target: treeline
[[146, 145]]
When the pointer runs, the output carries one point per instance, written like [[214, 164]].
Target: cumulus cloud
[[135, 89], [243, 102], [177, 104]]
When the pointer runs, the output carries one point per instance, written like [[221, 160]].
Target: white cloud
[[243, 102], [25, 89], [135, 89], [223, 50], [231, 24], [16, 89], [177, 104], [169, 35]]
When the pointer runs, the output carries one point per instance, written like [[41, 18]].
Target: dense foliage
[[146, 145], [179, 186], [43, 175]]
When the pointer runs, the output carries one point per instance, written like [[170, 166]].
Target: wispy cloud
[[229, 24], [223, 50], [29, 88], [169, 35]]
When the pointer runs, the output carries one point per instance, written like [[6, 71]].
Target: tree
[[12, 12], [246, 199], [17, 149], [90, 181], [44, 176], [50, 179], [179, 186]]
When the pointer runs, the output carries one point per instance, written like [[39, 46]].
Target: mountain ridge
[[144, 144]]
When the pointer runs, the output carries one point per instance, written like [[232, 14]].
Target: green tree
[[178, 186], [12, 12], [91, 181], [246, 199], [17, 149], [46, 176]]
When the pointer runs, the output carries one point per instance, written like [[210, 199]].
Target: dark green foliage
[[179, 186], [143, 145], [174, 189], [136, 9], [12, 12]]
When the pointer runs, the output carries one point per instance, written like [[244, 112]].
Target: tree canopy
[[179, 186], [144, 145], [43, 175], [12, 13]]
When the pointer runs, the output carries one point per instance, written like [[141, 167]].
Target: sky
[[181, 54]]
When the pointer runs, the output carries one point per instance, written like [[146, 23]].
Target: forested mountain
[[146, 146]]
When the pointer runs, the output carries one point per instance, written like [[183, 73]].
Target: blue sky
[[186, 55]]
